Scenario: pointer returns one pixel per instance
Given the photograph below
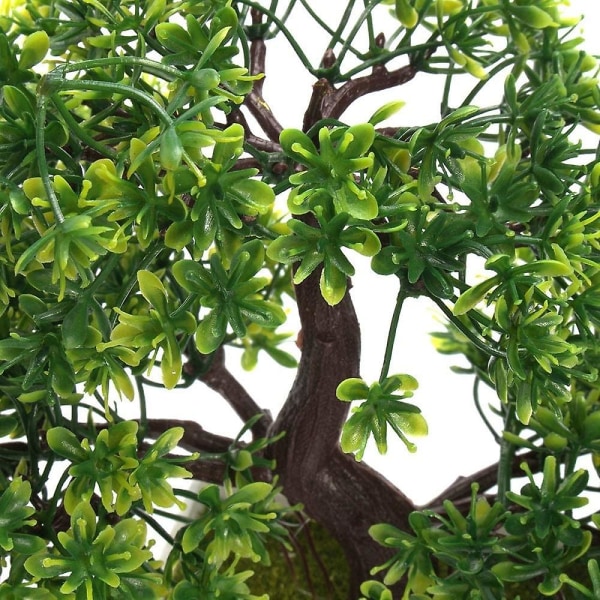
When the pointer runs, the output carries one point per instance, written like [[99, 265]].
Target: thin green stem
[[354, 31], [370, 29], [59, 493], [143, 409], [315, 17], [152, 252], [79, 131], [150, 66], [288, 10], [388, 56], [286, 32], [187, 302], [573, 455], [391, 338], [445, 105], [477, 341], [155, 525], [40, 148], [483, 416], [507, 451], [337, 35], [118, 89]]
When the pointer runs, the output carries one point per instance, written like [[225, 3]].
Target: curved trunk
[[343, 495]]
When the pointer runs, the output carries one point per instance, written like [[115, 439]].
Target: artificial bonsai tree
[[155, 213]]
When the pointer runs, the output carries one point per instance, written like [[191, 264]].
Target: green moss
[[316, 568]]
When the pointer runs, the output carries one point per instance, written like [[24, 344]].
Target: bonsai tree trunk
[[344, 495]]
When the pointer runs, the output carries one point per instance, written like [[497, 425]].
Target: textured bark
[[343, 495]]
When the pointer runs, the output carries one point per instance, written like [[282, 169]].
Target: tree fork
[[342, 494]]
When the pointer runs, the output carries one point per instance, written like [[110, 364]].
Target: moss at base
[[316, 568]]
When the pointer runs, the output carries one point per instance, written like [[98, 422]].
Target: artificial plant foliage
[[159, 217]]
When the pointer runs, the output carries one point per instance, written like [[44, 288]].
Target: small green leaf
[[297, 145], [66, 444], [170, 149], [75, 325], [352, 389], [173, 37], [473, 296], [407, 15], [332, 283], [532, 16], [153, 290], [34, 49], [399, 382], [360, 137], [250, 493], [211, 332], [355, 435], [386, 111]]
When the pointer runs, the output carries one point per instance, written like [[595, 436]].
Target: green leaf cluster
[[94, 561], [147, 221], [113, 468], [449, 554], [231, 295], [231, 526], [381, 407]]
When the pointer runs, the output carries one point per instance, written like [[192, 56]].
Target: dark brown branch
[[321, 89], [388, 131], [334, 488], [236, 116], [262, 144], [258, 54], [261, 111], [209, 471], [486, 478], [195, 437], [246, 163], [219, 379], [257, 106], [19, 448], [335, 104]]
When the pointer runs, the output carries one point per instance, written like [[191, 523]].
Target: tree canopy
[[155, 213]]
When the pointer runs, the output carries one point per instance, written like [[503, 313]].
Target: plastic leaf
[[211, 332], [473, 296], [386, 111], [66, 444], [332, 283], [153, 290], [352, 389]]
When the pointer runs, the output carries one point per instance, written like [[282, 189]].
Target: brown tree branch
[[236, 116], [246, 163], [255, 102], [314, 113], [195, 437], [335, 104], [334, 488], [261, 111], [219, 379], [486, 478], [328, 102]]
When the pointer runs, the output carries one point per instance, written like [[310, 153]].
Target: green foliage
[[93, 560], [382, 407], [113, 465], [230, 527], [146, 221], [230, 294], [14, 504], [479, 554]]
